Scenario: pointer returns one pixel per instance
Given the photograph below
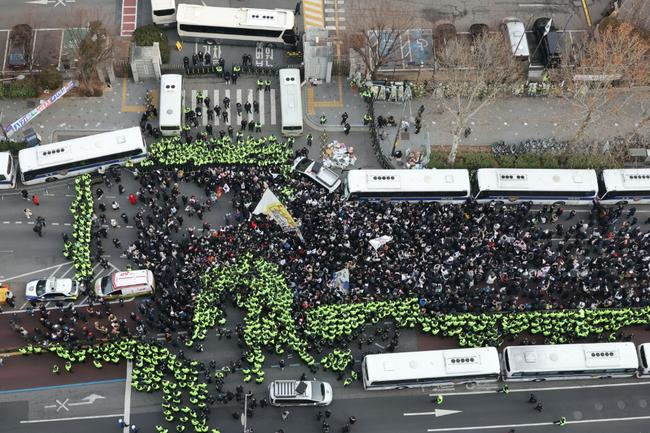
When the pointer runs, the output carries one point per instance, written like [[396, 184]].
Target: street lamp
[[17, 77]]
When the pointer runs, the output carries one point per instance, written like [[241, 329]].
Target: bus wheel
[[622, 203], [50, 179], [209, 42], [402, 387], [540, 379], [559, 203]]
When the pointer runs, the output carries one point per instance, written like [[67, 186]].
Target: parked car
[[549, 43], [20, 45], [300, 393], [125, 284], [318, 173], [515, 32], [52, 289]]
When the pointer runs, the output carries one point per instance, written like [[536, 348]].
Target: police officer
[[344, 118]]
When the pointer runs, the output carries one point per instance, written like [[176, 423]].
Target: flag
[[548, 26], [380, 241], [341, 281], [270, 205], [226, 188]]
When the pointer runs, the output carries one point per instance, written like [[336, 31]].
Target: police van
[[125, 284], [300, 393]]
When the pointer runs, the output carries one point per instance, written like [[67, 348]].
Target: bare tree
[[376, 34], [472, 74], [604, 67]]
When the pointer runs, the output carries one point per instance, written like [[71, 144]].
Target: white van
[[7, 171], [163, 12], [515, 32], [300, 393], [125, 284]]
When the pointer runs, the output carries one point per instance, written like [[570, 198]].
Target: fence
[[375, 141]]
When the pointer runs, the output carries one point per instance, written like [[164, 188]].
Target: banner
[[270, 205], [341, 281], [18, 124], [380, 241]]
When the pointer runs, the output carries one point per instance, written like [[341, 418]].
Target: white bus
[[69, 158], [644, 359], [570, 361], [7, 171], [290, 102], [626, 185], [163, 12], [430, 367], [541, 186], [171, 101], [416, 185], [211, 25]]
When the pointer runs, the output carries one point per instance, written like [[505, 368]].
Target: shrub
[[50, 78], [147, 35], [26, 88], [12, 146]]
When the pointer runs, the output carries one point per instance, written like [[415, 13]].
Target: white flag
[[548, 26], [380, 241], [226, 188]]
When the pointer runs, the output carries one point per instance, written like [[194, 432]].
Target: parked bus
[[163, 12], [70, 158], [212, 25], [415, 185], [626, 185], [430, 367], [7, 171], [541, 186], [570, 361], [171, 101], [290, 102]]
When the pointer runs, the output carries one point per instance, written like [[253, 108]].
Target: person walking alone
[[28, 212]]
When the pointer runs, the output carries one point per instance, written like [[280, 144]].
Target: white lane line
[[261, 99], [193, 98], [249, 99], [127, 396], [67, 224], [550, 388], [272, 106], [36, 271], [74, 418], [537, 424], [54, 271], [61, 48], [55, 224], [66, 272], [31, 58], [239, 116], [4, 59], [215, 103]]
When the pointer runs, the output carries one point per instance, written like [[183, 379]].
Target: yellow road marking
[[313, 13], [310, 101], [136, 108]]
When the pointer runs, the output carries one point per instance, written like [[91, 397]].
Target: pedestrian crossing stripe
[[242, 96], [313, 14]]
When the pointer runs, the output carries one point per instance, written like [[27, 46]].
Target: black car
[[548, 44], [20, 45]]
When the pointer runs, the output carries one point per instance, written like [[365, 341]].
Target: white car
[[52, 289], [318, 173], [300, 393]]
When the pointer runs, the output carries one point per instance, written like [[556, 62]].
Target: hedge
[[147, 35], [12, 146], [27, 88]]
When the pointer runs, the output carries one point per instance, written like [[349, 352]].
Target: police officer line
[[237, 96]]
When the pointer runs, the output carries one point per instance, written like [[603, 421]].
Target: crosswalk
[[238, 95]]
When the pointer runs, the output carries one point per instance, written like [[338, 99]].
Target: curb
[[332, 128]]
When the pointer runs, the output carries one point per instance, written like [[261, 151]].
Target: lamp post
[[17, 77]]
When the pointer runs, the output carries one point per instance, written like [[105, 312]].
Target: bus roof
[[432, 363], [171, 94], [560, 357], [536, 179], [132, 278], [106, 143], [627, 179], [408, 180], [290, 100], [4, 162], [227, 17]]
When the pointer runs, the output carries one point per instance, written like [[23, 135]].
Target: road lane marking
[[272, 106], [36, 271], [436, 412], [127, 396], [73, 418], [537, 424], [54, 271], [550, 388], [70, 385]]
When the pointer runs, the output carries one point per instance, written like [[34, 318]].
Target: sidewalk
[[119, 107]]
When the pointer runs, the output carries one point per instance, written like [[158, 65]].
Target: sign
[[380, 241], [18, 124], [341, 281], [270, 205]]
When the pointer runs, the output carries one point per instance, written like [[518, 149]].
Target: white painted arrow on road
[[38, 2], [436, 412], [87, 400]]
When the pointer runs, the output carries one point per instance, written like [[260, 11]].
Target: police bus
[[7, 171], [211, 25], [430, 367], [541, 186], [414, 185], [171, 100], [625, 185], [570, 361], [290, 102], [163, 12], [50, 162]]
